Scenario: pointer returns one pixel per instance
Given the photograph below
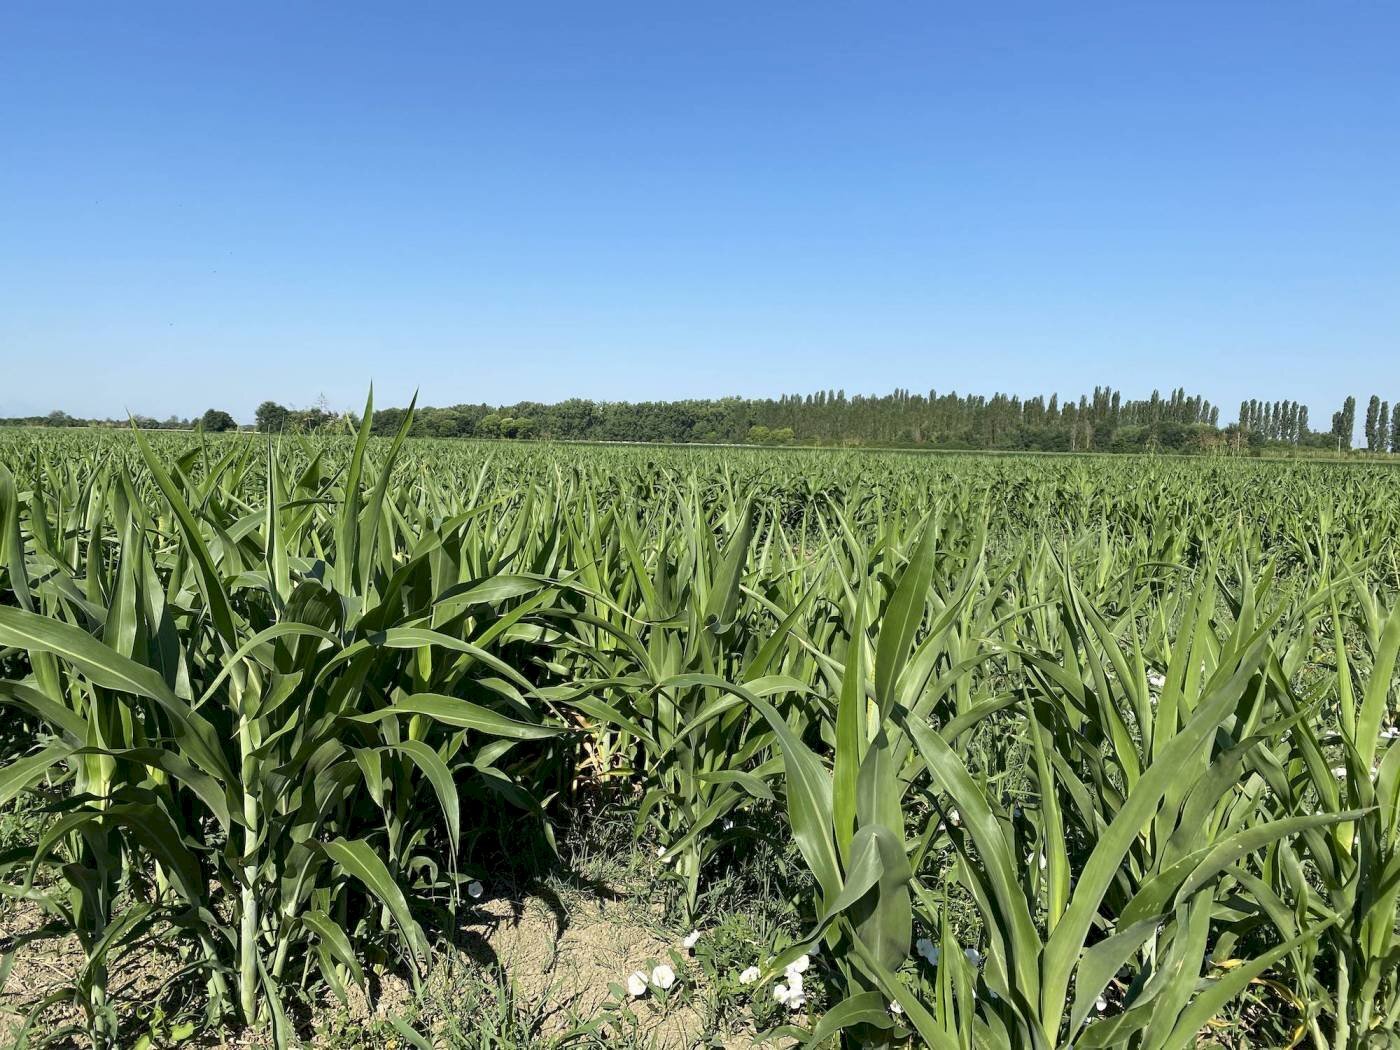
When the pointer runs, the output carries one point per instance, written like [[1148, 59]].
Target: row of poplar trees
[[1382, 427]]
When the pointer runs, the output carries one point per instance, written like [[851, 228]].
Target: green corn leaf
[[360, 862]]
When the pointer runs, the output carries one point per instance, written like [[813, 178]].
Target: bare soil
[[560, 958]]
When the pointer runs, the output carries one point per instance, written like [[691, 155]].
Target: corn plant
[[251, 726]]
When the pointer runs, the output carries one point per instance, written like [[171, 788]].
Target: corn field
[[1072, 752]]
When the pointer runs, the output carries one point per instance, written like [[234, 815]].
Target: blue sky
[[215, 204]]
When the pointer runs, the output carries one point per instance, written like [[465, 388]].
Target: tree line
[[213, 420], [1104, 421]]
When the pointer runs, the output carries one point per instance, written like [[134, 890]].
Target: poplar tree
[[1372, 424], [1344, 422]]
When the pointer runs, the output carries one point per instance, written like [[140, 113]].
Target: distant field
[[474, 744]]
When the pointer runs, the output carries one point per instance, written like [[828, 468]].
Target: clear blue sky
[[214, 204]]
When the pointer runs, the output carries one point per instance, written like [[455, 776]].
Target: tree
[[216, 421], [1395, 428], [1344, 423], [1372, 423], [271, 418], [517, 427]]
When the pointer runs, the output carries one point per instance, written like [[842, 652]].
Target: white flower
[[955, 818], [1156, 679], [794, 981], [973, 956], [896, 1009], [1390, 733], [928, 950], [1340, 772], [726, 824], [749, 976], [1100, 1004], [636, 984], [792, 998], [798, 965], [815, 949], [661, 851], [1042, 860], [663, 976], [688, 942], [475, 890]]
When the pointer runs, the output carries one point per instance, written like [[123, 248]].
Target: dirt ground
[[561, 959], [566, 962]]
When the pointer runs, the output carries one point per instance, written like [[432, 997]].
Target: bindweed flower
[[636, 984], [928, 950], [896, 1009], [1100, 1004], [475, 890], [799, 965], [1156, 679], [688, 942], [661, 851], [663, 976], [749, 976], [973, 956], [955, 818], [791, 997], [726, 824]]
